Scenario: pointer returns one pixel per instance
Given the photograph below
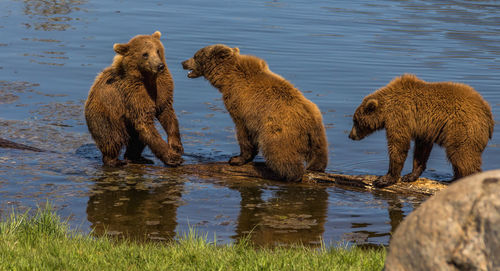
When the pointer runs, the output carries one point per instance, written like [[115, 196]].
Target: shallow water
[[335, 52]]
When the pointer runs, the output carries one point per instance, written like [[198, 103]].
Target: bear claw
[[237, 161], [409, 178], [384, 181], [174, 161]]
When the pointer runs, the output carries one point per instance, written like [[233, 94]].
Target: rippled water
[[335, 52]]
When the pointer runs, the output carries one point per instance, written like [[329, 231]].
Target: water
[[335, 52]]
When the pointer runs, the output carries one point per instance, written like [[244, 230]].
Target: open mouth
[[186, 65]]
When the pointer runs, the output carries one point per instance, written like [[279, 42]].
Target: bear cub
[[453, 115], [269, 113], [125, 99]]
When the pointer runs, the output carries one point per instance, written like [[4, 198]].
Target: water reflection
[[363, 232], [143, 204], [341, 51], [51, 14], [291, 214], [135, 206], [9, 91]]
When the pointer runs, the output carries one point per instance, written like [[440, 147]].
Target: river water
[[336, 52]]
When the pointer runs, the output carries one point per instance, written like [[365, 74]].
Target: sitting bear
[[126, 98], [450, 114], [269, 113]]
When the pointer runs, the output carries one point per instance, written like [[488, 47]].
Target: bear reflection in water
[[141, 205], [143, 210], [134, 207]]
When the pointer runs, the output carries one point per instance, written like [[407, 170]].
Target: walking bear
[[269, 113], [125, 99], [450, 114]]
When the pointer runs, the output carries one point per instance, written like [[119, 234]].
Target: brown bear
[[453, 115], [269, 113], [125, 99]]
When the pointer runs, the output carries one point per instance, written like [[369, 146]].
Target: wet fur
[[125, 100], [269, 113], [453, 115]]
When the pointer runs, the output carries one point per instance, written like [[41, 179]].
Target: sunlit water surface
[[335, 52]]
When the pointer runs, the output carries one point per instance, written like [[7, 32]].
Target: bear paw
[[384, 181], [237, 161], [141, 160], [114, 162], [174, 161], [409, 178]]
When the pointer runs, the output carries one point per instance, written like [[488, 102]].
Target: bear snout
[[354, 135], [190, 65], [185, 64], [161, 67]]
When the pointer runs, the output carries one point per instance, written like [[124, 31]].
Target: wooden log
[[222, 170], [13, 145]]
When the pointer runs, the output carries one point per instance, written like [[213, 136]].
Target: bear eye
[[158, 52], [145, 55]]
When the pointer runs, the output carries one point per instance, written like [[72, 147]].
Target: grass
[[42, 241]]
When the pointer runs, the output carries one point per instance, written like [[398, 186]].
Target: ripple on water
[[335, 52]]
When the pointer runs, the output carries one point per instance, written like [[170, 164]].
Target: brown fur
[[269, 113], [450, 114], [126, 98]]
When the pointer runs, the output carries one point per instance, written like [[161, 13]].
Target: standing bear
[[125, 99], [269, 113], [450, 114]]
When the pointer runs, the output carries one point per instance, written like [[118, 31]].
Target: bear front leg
[[170, 124], [248, 150], [149, 135], [398, 150], [421, 154]]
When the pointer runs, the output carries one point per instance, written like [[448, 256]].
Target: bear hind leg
[[110, 152], [318, 154], [135, 147], [464, 161], [318, 162], [285, 162]]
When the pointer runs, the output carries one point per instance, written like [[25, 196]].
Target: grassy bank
[[43, 242]]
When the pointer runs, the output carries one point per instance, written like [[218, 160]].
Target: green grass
[[43, 241]]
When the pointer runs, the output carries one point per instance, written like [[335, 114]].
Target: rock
[[456, 229]]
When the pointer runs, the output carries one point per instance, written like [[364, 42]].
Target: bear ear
[[223, 52], [236, 50], [156, 35], [120, 49], [371, 105]]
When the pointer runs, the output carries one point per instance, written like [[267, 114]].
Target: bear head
[[208, 58], [367, 119], [143, 53]]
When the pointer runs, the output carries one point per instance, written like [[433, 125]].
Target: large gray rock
[[456, 229]]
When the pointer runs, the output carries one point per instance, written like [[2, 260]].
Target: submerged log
[[223, 170], [13, 145]]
